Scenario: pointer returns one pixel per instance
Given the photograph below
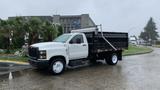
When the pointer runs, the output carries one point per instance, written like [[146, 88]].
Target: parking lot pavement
[[139, 72]]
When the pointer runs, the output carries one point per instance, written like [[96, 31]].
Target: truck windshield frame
[[62, 38]]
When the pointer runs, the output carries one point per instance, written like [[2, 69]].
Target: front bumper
[[39, 63]]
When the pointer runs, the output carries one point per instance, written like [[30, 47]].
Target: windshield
[[63, 38]]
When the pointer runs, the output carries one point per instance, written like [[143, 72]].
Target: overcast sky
[[115, 15]]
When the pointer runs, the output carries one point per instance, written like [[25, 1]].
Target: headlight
[[42, 54]]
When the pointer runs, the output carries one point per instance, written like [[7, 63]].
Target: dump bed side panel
[[97, 43]]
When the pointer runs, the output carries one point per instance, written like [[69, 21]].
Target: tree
[[150, 34], [60, 30], [33, 27], [144, 35], [18, 32], [2, 36], [6, 26], [49, 31], [13, 31]]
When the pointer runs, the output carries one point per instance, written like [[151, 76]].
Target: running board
[[77, 62]]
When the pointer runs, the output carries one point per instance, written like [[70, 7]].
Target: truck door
[[78, 47]]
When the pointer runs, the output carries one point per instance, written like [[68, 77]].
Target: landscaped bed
[[12, 57]]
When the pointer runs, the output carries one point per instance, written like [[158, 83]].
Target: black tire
[[112, 59], [57, 66]]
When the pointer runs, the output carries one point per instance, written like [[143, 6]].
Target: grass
[[17, 58], [134, 50]]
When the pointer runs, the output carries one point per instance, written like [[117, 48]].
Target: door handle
[[84, 45]]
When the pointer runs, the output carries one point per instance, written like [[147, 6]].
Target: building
[[68, 22], [133, 40], [71, 22], [43, 18]]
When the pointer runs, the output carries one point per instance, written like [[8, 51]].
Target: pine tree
[[150, 34]]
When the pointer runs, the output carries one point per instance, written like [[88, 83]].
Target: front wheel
[[57, 66], [112, 59]]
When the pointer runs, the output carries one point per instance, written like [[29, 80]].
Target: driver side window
[[78, 39]]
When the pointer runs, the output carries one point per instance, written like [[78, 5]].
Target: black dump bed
[[98, 43]]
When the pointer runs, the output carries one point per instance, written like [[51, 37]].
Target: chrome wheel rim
[[114, 59], [57, 67]]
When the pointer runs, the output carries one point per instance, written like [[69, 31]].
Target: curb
[[15, 62], [139, 53]]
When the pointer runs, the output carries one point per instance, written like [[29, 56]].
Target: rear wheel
[[112, 59], [57, 66]]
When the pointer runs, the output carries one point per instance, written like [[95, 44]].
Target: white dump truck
[[73, 49]]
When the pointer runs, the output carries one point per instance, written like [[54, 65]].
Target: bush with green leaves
[[13, 31]]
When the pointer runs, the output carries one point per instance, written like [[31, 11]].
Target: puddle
[[4, 65], [4, 69]]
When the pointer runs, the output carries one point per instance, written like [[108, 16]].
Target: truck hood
[[45, 45]]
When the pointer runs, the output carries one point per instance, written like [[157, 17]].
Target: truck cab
[[70, 46]]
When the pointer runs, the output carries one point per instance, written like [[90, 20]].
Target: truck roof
[[92, 29]]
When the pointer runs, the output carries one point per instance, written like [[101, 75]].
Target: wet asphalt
[[138, 72], [6, 67]]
